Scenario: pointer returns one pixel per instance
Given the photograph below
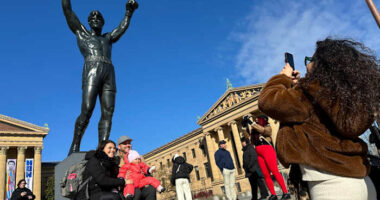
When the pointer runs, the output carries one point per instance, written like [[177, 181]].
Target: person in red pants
[[266, 156]]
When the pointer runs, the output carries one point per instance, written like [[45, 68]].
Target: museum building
[[21, 145], [221, 122]]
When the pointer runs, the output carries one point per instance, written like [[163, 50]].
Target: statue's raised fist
[[132, 5]]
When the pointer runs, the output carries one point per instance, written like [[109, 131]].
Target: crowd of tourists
[[321, 115], [321, 118]]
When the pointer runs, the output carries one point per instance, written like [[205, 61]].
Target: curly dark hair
[[349, 74]]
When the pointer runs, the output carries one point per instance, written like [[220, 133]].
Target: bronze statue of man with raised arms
[[98, 77]]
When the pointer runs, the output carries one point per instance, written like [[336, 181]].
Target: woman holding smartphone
[[322, 116]]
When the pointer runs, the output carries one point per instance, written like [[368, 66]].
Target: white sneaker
[[152, 169]]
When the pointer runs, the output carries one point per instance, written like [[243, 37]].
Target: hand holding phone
[[246, 121], [289, 59]]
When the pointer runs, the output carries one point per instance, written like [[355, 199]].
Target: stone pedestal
[[60, 170]]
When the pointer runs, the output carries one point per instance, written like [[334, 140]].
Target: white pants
[[343, 188], [229, 183], [182, 188]]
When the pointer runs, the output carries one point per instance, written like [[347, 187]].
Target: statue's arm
[[71, 18], [124, 24]]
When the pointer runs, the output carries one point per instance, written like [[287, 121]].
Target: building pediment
[[9, 125], [232, 98]]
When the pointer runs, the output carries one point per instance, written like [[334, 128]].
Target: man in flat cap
[[124, 146]]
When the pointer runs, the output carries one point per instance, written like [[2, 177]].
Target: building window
[[197, 173], [223, 189], [193, 152], [238, 187], [160, 165], [184, 155], [208, 170], [203, 147]]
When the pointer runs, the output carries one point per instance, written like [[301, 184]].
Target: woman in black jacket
[[251, 168], [22, 193], [102, 166], [181, 176]]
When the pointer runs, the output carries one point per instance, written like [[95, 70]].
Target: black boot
[[285, 196], [80, 127], [273, 197], [104, 129], [75, 146], [129, 197]]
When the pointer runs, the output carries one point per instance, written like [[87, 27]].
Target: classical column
[[220, 133], [3, 159], [211, 152], [219, 130], [235, 134], [37, 173], [20, 163]]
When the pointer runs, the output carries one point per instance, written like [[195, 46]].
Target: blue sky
[[171, 65]]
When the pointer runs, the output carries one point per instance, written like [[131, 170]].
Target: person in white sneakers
[[180, 177], [224, 161]]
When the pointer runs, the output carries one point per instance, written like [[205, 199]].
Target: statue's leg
[[88, 103], [107, 103]]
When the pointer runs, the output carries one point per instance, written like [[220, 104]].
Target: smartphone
[[289, 59]]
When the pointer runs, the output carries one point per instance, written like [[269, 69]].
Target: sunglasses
[[308, 60]]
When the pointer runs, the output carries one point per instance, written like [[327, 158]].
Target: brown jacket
[[323, 141], [266, 132]]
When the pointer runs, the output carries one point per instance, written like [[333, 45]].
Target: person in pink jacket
[[134, 169]]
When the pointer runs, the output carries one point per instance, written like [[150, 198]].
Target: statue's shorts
[[99, 74]]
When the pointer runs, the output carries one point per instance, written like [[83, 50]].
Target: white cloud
[[274, 27]]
